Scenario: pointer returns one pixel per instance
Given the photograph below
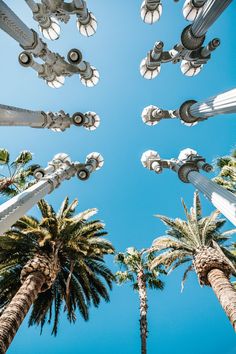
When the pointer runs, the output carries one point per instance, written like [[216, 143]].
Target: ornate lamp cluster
[[191, 52], [54, 68]]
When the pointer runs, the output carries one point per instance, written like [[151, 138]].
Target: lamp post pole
[[59, 121], [55, 67], [187, 166], [191, 112], [59, 169]]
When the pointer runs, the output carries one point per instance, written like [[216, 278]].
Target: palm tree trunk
[[143, 310], [16, 311], [224, 292]]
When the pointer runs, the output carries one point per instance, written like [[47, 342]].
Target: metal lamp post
[[55, 67], [59, 121], [192, 112], [48, 12], [191, 52], [59, 169], [187, 166]]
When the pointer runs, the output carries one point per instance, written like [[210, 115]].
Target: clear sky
[[126, 194]]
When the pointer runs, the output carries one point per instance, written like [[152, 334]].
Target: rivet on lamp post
[[59, 121], [55, 67], [59, 169], [48, 13], [187, 166], [191, 52], [192, 112]]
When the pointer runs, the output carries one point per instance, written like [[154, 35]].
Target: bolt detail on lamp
[[46, 180], [188, 166]]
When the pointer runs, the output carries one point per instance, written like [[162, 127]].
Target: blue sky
[[126, 194]]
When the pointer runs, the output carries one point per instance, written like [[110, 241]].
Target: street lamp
[[55, 67], [59, 169], [59, 121], [192, 112], [187, 166], [192, 8], [151, 11], [48, 12], [191, 52]]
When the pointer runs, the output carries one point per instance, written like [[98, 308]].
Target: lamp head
[[93, 120], [150, 16], [95, 157], [61, 158], [74, 56], [88, 29], [151, 160], [52, 30], [148, 73], [191, 10], [92, 80], [188, 69], [57, 82], [187, 154], [150, 115]]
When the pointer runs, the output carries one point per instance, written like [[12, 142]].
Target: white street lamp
[[55, 67], [192, 112], [187, 166], [191, 53], [59, 121], [192, 8], [59, 169]]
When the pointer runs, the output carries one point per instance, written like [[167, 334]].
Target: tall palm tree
[[227, 174], [52, 263], [136, 270], [16, 175], [199, 242]]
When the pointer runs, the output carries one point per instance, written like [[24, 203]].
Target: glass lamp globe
[[190, 11], [187, 153], [93, 80], [147, 73], [147, 155], [57, 82], [188, 69], [150, 16], [94, 119], [97, 157], [147, 115], [188, 124], [53, 31], [61, 158], [88, 29]]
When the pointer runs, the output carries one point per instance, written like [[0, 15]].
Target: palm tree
[[136, 270], [46, 263], [17, 176], [227, 174], [200, 243]]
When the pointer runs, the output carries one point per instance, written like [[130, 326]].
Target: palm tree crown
[[227, 174], [16, 175], [78, 248], [188, 241], [134, 261]]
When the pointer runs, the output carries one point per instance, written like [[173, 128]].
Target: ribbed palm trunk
[[224, 292], [143, 310], [16, 311]]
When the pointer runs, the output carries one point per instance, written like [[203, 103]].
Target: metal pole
[[209, 14], [12, 24], [222, 199], [220, 104], [13, 116]]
